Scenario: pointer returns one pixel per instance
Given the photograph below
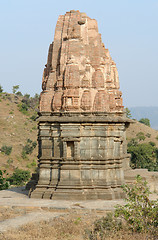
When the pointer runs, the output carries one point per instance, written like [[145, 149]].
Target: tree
[[15, 88], [143, 155], [128, 113], [1, 89], [145, 121]]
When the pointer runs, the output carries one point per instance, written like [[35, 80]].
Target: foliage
[[1, 89], [4, 184], [152, 144], [145, 121], [140, 213], [28, 148], [143, 155], [104, 226], [32, 164], [15, 88], [140, 136], [6, 149], [34, 117], [29, 103], [19, 93], [148, 135], [23, 108], [19, 177], [128, 113]]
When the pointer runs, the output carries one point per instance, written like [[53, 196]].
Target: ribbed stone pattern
[[80, 74]]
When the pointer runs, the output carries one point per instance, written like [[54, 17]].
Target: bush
[[23, 108], [128, 113], [15, 88], [4, 184], [140, 136], [28, 103], [6, 149], [19, 94], [34, 116], [140, 213], [104, 226], [32, 164], [19, 177], [152, 144], [1, 89], [148, 135], [28, 148], [145, 121], [144, 155]]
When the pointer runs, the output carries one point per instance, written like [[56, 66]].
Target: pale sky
[[129, 29]]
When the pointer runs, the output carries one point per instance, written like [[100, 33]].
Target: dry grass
[[75, 225], [15, 128]]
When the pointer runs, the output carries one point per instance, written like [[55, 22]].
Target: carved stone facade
[[82, 124]]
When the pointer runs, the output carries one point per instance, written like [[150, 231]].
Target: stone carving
[[77, 59], [82, 124]]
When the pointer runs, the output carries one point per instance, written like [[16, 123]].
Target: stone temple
[[82, 123]]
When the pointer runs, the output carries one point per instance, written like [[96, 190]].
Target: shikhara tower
[[82, 124]]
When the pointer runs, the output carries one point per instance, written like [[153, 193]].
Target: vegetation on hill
[[18, 138], [145, 121]]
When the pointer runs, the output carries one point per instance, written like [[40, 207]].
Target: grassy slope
[[137, 127], [16, 128]]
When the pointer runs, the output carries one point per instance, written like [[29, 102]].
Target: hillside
[[16, 128], [146, 112], [149, 133]]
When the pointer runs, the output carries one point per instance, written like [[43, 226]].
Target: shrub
[[10, 161], [15, 88], [145, 121], [152, 144], [32, 164], [140, 213], [104, 226], [144, 155], [19, 94], [34, 116], [4, 184], [1, 89], [148, 135], [6, 149], [128, 113], [19, 177], [23, 108], [28, 148], [140, 136]]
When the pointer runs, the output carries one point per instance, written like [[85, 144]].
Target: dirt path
[[28, 218]]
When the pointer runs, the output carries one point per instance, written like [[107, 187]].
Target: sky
[[129, 29]]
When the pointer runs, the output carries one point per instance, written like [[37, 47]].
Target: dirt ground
[[72, 225]]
